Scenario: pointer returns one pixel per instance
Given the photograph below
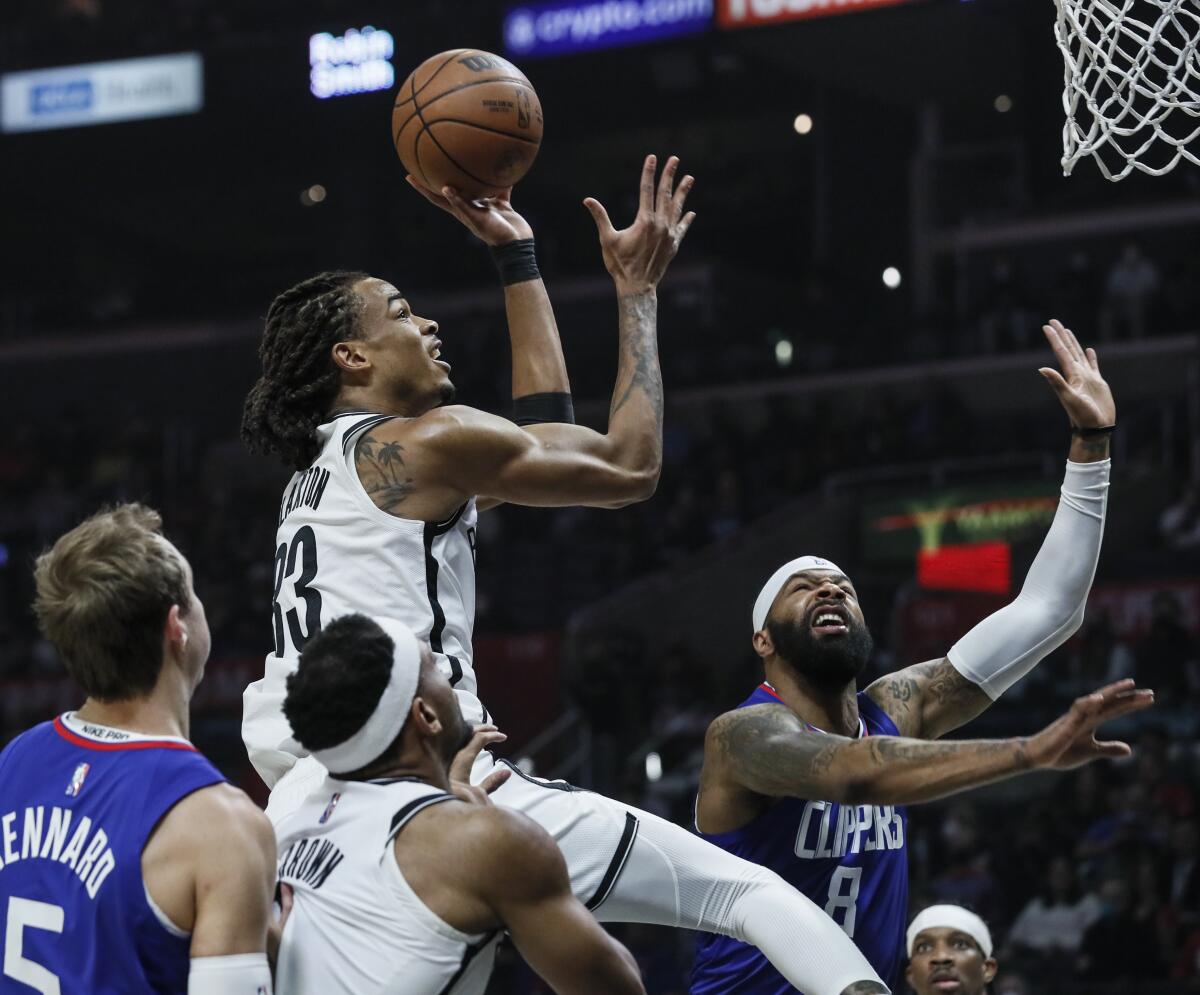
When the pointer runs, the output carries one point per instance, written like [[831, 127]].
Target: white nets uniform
[[356, 927], [338, 553]]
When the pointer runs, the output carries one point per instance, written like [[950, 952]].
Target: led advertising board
[[732, 14], [101, 92], [354, 62], [562, 27]]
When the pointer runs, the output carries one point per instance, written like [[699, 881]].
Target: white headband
[[385, 723], [766, 597], [951, 917]]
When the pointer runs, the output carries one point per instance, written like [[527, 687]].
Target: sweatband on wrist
[[536, 409], [516, 261], [235, 974], [1008, 644], [391, 711]]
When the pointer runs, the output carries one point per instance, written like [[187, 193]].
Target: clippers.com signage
[[733, 14]]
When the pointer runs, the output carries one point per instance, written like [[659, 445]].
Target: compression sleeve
[[236, 974], [1005, 646]]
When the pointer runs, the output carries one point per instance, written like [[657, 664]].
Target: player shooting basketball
[[380, 520], [808, 777]]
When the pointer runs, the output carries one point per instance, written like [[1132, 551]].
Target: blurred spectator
[[1119, 944], [1053, 923], [1185, 871], [1167, 655], [1179, 523], [1131, 283]]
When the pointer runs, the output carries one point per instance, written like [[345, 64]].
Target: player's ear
[[175, 634], [908, 976], [425, 717], [763, 645], [989, 970], [349, 356]]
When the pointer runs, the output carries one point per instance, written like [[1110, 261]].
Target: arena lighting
[[653, 767], [784, 352], [313, 195], [1003, 103], [356, 62], [803, 124], [891, 278]]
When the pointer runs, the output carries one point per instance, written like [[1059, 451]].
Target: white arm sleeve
[[236, 974], [1005, 646]]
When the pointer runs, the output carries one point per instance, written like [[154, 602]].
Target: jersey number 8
[[304, 550]]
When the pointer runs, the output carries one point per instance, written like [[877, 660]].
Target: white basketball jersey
[[356, 927], [337, 553]]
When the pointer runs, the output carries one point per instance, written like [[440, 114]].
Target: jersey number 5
[[23, 914], [303, 551]]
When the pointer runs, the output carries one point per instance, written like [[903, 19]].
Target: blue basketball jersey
[[77, 805], [848, 859]]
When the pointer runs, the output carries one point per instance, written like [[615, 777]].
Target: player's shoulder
[[449, 424], [754, 719], [215, 819], [501, 849]]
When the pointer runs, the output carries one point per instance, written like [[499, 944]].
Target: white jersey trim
[[98, 733], [163, 919]]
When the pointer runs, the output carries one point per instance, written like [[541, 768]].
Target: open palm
[[1080, 388]]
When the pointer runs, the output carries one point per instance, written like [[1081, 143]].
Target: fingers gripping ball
[[467, 119]]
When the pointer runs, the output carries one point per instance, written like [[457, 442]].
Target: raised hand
[[490, 218], [1071, 740], [637, 256], [460, 768], [1080, 388]]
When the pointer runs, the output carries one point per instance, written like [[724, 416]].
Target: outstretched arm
[[538, 366], [765, 750], [559, 464], [931, 699]]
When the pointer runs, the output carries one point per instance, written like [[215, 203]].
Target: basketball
[[467, 119]]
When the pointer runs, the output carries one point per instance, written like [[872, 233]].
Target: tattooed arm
[[928, 700], [766, 751]]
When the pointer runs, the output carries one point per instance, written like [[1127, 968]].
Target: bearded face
[[817, 629]]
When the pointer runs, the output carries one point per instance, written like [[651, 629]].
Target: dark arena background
[[849, 341]]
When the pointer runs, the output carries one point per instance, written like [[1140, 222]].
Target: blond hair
[[103, 593]]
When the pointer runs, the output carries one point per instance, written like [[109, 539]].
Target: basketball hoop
[[1131, 88]]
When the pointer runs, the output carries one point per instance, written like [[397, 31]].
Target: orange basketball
[[467, 119]]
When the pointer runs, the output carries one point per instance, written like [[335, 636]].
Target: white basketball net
[[1131, 69]]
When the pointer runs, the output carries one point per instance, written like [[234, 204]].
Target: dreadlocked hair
[[299, 380]]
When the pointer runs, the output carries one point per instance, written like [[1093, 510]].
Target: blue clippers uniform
[[77, 804], [849, 859]]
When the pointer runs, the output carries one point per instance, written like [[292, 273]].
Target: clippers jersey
[[851, 860], [77, 804], [337, 553], [356, 927]]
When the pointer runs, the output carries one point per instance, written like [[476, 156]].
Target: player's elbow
[[633, 487], [614, 971]]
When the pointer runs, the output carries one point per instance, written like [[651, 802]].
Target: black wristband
[[516, 261], [1093, 433], [537, 409]]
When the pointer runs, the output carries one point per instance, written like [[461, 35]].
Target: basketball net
[[1131, 83]]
